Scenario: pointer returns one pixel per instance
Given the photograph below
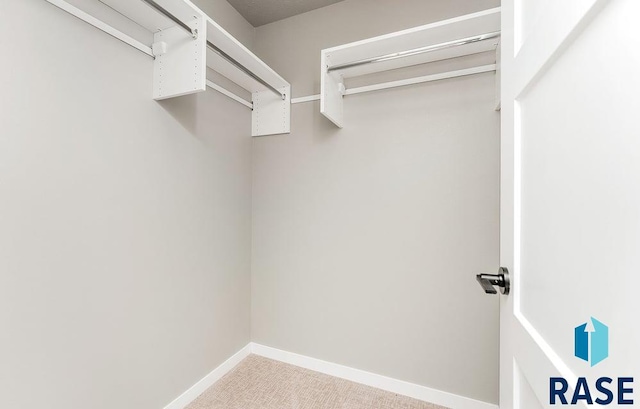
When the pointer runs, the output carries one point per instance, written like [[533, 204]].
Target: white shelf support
[[271, 114], [182, 69], [331, 92]]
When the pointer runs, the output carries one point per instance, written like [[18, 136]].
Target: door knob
[[489, 281]]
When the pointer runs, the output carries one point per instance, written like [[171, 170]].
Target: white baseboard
[[355, 375], [203, 384], [422, 393]]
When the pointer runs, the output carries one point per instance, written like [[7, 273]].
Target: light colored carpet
[[261, 383]]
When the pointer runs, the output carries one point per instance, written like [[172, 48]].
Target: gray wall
[[124, 223], [366, 239]]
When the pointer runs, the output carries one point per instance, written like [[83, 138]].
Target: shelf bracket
[[332, 91], [271, 114], [181, 68]]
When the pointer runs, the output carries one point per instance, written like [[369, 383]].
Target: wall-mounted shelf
[[465, 35], [185, 43]]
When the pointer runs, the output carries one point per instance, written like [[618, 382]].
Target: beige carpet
[[261, 383]]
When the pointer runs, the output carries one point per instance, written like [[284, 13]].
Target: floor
[[261, 383]]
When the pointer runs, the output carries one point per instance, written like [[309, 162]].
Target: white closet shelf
[[186, 42], [223, 41], [456, 37]]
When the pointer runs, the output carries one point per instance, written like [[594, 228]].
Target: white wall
[[124, 223], [366, 240]]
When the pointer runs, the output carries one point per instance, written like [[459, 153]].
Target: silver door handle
[[489, 281]]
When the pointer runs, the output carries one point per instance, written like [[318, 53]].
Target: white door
[[570, 206]]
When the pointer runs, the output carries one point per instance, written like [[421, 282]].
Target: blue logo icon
[[592, 342]]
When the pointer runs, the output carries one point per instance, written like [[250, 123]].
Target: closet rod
[[233, 61], [416, 51], [244, 69]]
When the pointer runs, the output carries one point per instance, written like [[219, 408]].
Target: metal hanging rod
[[416, 51], [194, 34], [244, 69], [166, 13]]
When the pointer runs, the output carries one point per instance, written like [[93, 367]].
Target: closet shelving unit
[[185, 42], [457, 37]]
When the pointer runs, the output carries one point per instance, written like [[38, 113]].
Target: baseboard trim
[[355, 375], [202, 385], [367, 378]]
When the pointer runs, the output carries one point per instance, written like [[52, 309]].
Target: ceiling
[[260, 12]]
